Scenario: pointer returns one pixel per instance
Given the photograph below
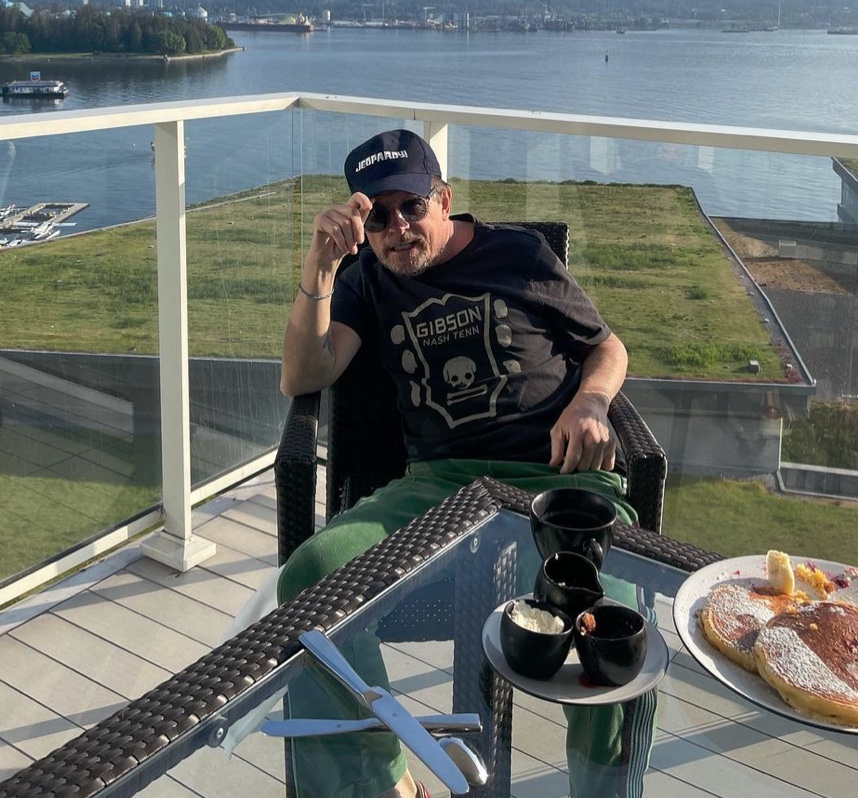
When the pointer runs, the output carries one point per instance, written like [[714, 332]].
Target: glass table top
[[415, 626]]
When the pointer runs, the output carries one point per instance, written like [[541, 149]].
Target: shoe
[[422, 792]]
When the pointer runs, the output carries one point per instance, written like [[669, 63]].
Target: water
[[795, 80]]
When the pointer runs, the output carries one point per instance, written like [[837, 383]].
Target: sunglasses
[[412, 210]]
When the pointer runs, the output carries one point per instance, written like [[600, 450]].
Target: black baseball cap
[[396, 160]]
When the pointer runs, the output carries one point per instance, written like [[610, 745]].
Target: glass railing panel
[[742, 370], [79, 411], [253, 186], [241, 244]]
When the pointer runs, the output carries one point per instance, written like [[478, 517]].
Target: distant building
[[200, 13], [23, 8], [847, 210]]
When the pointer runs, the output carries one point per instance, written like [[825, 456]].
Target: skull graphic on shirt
[[453, 352]]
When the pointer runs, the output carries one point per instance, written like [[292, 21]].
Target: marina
[[37, 223]]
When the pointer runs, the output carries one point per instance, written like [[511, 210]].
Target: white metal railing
[[175, 544]]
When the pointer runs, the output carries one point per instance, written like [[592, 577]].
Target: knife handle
[[318, 644]]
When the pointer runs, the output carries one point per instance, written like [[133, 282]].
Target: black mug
[[611, 643], [573, 519]]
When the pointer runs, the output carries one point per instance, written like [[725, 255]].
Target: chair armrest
[[295, 475], [646, 462]]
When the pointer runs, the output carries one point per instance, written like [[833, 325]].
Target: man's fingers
[[362, 203], [584, 460], [558, 450], [343, 227], [357, 208], [599, 455]]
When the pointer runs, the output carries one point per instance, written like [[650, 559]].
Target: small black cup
[[568, 581], [537, 655], [572, 519], [613, 653]]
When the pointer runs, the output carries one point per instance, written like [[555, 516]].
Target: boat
[[843, 31], [45, 231], [24, 235], [35, 87], [35, 224]]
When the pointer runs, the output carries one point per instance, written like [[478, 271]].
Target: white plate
[[565, 686], [690, 599]]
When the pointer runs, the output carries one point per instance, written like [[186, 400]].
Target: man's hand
[[315, 349], [581, 439], [338, 230]]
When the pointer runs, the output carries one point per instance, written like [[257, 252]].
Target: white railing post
[[435, 134], [175, 545]]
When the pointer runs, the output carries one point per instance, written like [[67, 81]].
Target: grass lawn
[[654, 268], [45, 515], [646, 255], [736, 517]]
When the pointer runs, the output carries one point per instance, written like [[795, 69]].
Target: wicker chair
[[365, 448], [365, 451]]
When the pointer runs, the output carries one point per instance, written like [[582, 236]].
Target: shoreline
[[48, 57]]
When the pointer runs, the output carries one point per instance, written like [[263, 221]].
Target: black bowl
[[571, 519], [537, 655], [614, 652], [568, 581]]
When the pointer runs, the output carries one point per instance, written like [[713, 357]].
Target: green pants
[[364, 765], [608, 747]]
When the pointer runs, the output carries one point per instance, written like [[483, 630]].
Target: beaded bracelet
[[316, 297]]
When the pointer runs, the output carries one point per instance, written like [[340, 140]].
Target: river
[[794, 80]]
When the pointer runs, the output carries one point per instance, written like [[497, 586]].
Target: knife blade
[[387, 709], [321, 727]]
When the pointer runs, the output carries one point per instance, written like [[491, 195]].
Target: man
[[502, 364]]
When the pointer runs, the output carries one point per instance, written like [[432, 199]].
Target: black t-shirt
[[484, 349]]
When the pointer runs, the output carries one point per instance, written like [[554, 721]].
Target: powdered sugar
[[737, 612], [694, 594], [790, 659]]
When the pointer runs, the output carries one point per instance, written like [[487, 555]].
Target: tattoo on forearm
[[328, 344]]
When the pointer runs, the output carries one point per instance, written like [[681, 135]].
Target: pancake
[[734, 613], [810, 656]]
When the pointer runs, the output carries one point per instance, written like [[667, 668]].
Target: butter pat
[[779, 572]]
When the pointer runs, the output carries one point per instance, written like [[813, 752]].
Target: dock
[[35, 224]]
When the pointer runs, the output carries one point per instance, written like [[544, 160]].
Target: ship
[[299, 24], [35, 87]]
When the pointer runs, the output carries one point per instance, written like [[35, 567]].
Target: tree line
[[794, 13], [89, 30]]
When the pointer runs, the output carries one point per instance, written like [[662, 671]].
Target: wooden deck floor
[[79, 650]]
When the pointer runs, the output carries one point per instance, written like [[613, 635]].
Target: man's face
[[405, 247]]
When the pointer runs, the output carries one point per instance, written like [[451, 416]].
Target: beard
[[409, 262]]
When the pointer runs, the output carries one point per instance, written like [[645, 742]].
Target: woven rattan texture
[[366, 451], [124, 743], [169, 714], [296, 464], [365, 445]]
